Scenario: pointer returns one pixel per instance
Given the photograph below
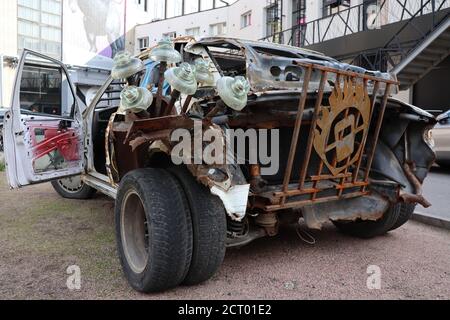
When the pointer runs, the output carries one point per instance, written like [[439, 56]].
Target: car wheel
[[371, 229], [73, 188], [406, 212], [209, 225], [153, 230]]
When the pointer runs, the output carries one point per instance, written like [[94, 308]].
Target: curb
[[431, 220]]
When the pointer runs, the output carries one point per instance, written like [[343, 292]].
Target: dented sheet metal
[[370, 208], [235, 200]]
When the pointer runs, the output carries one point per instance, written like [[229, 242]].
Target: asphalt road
[[437, 191], [42, 235]]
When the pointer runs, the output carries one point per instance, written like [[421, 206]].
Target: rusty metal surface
[[418, 196], [338, 136], [370, 208], [350, 96], [337, 109]]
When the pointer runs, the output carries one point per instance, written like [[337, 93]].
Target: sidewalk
[[435, 189], [432, 220]]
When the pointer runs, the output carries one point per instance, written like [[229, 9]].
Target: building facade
[[84, 34], [241, 19], [407, 38], [253, 20]]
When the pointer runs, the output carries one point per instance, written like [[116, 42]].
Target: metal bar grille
[[337, 157]]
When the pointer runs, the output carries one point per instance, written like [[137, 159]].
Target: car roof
[[265, 45]]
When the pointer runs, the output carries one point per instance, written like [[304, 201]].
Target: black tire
[[209, 228], [73, 188], [153, 230], [406, 212], [370, 229]]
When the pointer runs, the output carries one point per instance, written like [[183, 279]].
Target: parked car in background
[[2, 115], [441, 135]]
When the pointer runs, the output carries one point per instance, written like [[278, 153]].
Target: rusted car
[[348, 153]]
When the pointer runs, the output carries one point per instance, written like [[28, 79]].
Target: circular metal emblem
[[343, 126]]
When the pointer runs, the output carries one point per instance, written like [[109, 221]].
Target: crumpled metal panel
[[371, 207]]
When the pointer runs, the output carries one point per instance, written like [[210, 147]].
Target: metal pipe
[[312, 130], [418, 196], [296, 134], [186, 105], [220, 106], [377, 132], [162, 70], [374, 101], [173, 99]]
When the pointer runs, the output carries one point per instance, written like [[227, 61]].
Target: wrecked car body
[[347, 152], [276, 78]]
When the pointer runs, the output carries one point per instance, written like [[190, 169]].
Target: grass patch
[[2, 166]]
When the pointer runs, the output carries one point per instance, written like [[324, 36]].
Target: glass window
[[171, 35], [45, 89], [143, 43], [51, 6], [51, 19], [29, 29], [174, 8], [191, 6], [218, 29], [273, 20], [40, 90], [206, 4], [334, 6], [158, 9], [28, 14], [246, 19], [35, 4], [194, 32]]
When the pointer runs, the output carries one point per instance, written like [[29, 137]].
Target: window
[[218, 29], [274, 21], [143, 43], [299, 22], [39, 26], [171, 35], [44, 88], [40, 90], [143, 3], [334, 6], [174, 8], [246, 19], [191, 7], [194, 32], [206, 5]]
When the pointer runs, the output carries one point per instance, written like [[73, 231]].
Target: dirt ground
[[41, 235]]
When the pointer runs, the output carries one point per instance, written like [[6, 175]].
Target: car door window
[[44, 89]]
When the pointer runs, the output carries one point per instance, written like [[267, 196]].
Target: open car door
[[43, 131]]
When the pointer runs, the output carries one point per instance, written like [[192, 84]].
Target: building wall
[[8, 27], [203, 20], [8, 47], [76, 48]]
